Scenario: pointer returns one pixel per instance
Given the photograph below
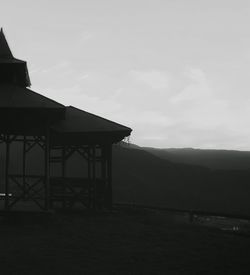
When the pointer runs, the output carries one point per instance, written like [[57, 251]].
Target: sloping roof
[[12, 96], [79, 121], [11, 61]]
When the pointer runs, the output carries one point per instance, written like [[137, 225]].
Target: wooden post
[[24, 168], [63, 175], [104, 164], [94, 176], [7, 157], [89, 177], [104, 172], [109, 174], [46, 169]]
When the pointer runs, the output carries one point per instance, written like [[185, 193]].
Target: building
[[33, 120]]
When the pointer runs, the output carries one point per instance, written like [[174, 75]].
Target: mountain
[[214, 159], [142, 177]]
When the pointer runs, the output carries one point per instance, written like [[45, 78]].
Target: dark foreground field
[[127, 241]]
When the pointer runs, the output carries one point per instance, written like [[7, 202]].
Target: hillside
[[214, 159], [140, 177]]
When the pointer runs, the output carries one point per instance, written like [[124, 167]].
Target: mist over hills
[[211, 158], [215, 159], [145, 178]]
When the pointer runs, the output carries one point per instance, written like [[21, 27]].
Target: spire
[[5, 51], [12, 70]]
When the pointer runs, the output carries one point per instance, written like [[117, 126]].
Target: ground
[[126, 241]]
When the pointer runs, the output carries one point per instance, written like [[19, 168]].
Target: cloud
[[86, 36], [74, 96], [198, 87], [83, 76], [59, 67], [197, 75], [186, 111], [194, 116], [155, 79], [197, 104]]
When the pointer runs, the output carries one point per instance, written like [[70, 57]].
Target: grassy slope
[[124, 242]]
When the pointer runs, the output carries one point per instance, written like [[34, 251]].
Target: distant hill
[[142, 177], [214, 159]]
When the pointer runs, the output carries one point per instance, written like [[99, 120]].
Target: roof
[[22, 108], [6, 55], [23, 111], [12, 96], [5, 51], [79, 121], [11, 61], [11, 68]]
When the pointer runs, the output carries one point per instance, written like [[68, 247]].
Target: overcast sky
[[176, 71]]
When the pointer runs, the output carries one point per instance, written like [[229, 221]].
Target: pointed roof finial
[[5, 51]]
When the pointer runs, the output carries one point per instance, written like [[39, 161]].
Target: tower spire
[[12, 70], [5, 51]]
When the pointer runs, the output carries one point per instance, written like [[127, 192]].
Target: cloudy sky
[[176, 71]]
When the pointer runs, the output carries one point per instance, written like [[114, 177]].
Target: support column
[[24, 168], [7, 158], [109, 177], [63, 175], [89, 177], [104, 173], [104, 164], [46, 170], [94, 175]]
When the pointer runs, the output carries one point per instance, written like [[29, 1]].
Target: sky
[[176, 71]]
